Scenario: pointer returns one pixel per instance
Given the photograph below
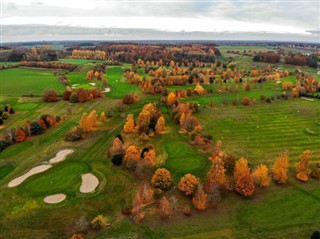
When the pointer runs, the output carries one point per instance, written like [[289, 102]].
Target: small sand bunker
[[38, 169], [89, 183], [55, 198], [61, 155]]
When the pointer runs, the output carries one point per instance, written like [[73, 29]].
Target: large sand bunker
[[89, 183], [55, 198], [60, 156], [38, 169]]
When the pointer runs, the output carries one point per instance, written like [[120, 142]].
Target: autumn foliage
[[200, 198], [161, 179], [188, 184], [216, 174], [303, 170], [260, 175], [280, 168], [244, 183], [129, 125], [50, 96]]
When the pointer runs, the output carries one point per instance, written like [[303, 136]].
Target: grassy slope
[[235, 217], [17, 82]]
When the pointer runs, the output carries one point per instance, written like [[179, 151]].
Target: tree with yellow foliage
[[200, 198], [150, 157], [241, 168], [216, 174], [144, 120], [172, 98], [132, 156], [199, 89], [103, 117], [129, 125], [117, 146], [260, 175], [161, 179], [188, 184], [245, 185], [303, 170], [160, 126], [280, 168]]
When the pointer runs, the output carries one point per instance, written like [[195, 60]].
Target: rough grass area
[[17, 82]]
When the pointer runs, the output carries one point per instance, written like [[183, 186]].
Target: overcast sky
[[298, 20]]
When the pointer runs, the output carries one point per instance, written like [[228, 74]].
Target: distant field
[[17, 82], [79, 61]]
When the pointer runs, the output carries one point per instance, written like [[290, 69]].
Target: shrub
[[81, 225], [11, 111], [74, 98], [50, 96], [66, 95], [245, 101], [262, 98], [36, 128], [161, 179], [3, 145], [99, 222], [117, 159], [128, 99], [1, 121], [75, 134], [5, 116], [268, 100], [188, 184], [315, 235]]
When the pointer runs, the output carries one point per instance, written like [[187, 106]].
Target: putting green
[[183, 158], [62, 178]]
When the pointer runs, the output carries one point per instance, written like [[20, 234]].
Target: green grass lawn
[[17, 82], [63, 178], [5, 170]]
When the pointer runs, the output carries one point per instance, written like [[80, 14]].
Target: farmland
[[258, 132]]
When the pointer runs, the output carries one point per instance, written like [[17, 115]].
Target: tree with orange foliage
[[241, 168], [280, 168], [50, 96], [42, 123], [245, 101], [165, 209], [150, 157], [216, 174], [103, 117], [117, 146], [260, 175], [161, 179], [129, 125], [144, 120], [160, 126], [172, 98], [83, 122], [200, 198], [303, 170], [245, 185], [82, 95], [76, 236], [188, 184], [20, 135], [132, 156], [199, 89]]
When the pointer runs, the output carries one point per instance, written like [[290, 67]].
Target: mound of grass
[[62, 178], [26, 106], [17, 82], [311, 131]]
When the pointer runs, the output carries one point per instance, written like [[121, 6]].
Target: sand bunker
[[55, 198], [89, 183], [60, 156], [38, 169]]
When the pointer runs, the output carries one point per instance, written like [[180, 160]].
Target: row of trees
[[88, 54], [35, 127], [49, 65], [81, 95]]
